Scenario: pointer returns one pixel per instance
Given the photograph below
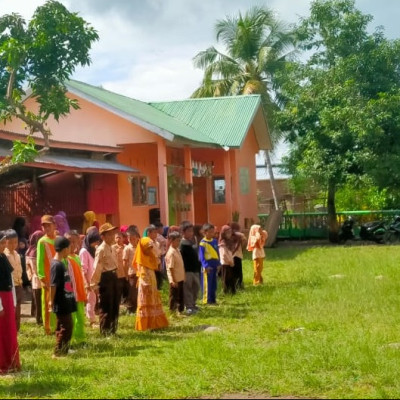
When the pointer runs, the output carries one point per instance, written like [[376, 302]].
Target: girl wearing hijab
[[149, 314], [89, 219], [226, 248], [255, 244], [31, 270], [86, 255]]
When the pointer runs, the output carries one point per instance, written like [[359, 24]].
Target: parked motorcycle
[[347, 230], [393, 231], [374, 231]]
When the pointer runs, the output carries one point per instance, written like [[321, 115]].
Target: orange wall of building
[[143, 157], [96, 125], [245, 158]]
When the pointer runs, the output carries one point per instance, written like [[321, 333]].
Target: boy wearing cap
[[62, 299], [105, 281], [45, 254]]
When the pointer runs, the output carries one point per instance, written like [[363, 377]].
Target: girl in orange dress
[[255, 244], [150, 313]]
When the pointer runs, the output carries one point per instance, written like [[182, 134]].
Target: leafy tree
[[257, 46], [340, 114], [36, 59]]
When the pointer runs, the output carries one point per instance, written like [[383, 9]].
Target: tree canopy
[[341, 112], [36, 59]]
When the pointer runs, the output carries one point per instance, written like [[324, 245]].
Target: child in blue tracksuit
[[209, 257]]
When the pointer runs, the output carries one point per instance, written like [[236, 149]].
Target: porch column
[[187, 155], [235, 181], [228, 184], [163, 181]]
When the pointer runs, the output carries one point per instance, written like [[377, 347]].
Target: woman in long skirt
[[150, 313], [9, 352]]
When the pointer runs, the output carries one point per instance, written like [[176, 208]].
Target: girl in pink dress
[[86, 255]]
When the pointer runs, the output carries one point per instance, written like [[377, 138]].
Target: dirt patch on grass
[[250, 395]]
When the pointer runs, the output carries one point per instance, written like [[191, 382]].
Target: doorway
[[200, 200]]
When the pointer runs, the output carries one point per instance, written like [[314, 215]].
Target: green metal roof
[[138, 112], [215, 121], [225, 120]]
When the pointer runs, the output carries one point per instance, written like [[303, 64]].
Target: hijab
[[144, 254], [33, 241], [92, 236], [223, 241]]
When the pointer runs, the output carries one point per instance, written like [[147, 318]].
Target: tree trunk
[[271, 178], [333, 228]]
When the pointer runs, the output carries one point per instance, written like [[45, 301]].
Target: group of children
[[75, 278]]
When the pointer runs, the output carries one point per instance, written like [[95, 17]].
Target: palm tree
[[257, 46]]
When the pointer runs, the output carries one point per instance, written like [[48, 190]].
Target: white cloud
[[146, 48]]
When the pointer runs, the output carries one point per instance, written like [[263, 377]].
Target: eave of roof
[[60, 162], [56, 144]]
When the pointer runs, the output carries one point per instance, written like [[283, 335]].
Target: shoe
[[190, 311]]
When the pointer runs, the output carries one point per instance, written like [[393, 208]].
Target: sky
[[146, 47]]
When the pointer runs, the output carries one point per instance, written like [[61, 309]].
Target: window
[[152, 195], [139, 190], [219, 190]]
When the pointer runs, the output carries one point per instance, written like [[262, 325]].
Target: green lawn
[[325, 324]]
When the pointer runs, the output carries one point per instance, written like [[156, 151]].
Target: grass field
[[326, 324]]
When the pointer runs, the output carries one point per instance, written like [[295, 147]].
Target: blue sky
[[146, 47]]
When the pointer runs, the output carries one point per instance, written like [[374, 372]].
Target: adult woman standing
[[150, 314]]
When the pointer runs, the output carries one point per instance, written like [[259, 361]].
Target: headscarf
[[89, 219], [61, 221], [256, 238], [33, 241], [144, 255], [92, 236], [223, 241]]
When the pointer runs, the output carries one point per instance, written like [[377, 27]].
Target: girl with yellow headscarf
[[149, 314]]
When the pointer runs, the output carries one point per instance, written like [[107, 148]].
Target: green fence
[[314, 225]]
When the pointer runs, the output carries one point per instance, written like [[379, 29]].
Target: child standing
[[240, 241], [226, 247], [31, 270], [78, 285], [105, 282], [45, 254], [122, 273], [208, 254], [176, 273], [128, 255], [15, 260], [9, 353], [255, 244], [86, 255], [150, 313], [191, 262], [62, 299]]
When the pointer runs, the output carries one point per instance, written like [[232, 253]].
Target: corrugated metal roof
[[225, 120], [139, 112], [60, 162], [85, 164]]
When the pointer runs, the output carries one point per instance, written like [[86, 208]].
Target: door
[[200, 200]]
